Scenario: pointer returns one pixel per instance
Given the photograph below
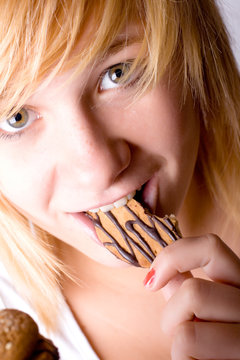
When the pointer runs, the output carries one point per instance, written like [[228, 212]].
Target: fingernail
[[149, 279]]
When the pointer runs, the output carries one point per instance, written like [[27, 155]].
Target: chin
[[110, 260]]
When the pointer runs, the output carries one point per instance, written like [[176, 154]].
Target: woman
[[99, 99]]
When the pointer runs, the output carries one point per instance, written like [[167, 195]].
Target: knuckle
[[167, 254], [193, 290], [213, 242], [191, 286], [184, 339]]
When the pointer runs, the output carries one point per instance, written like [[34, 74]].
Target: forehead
[[49, 42], [127, 37]]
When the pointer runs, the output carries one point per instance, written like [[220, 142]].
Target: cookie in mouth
[[132, 233]]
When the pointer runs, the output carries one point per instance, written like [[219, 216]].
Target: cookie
[[45, 350], [20, 338], [134, 235], [43, 356], [18, 335]]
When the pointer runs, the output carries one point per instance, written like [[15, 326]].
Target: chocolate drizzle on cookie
[[140, 244]]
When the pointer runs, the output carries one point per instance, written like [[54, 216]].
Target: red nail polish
[[149, 279], [196, 319]]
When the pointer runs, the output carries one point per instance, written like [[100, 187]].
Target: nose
[[91, 157], [100, 160]]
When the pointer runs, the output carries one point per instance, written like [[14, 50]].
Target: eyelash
[[130, 82], [18, 134], [9, 137], [32, 117]]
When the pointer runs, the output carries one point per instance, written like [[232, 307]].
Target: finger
[[174, 284], [171, 287], [202, 340], [203, 299], [208, 252]]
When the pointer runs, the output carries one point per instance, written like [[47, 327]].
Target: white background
[[231, 13]]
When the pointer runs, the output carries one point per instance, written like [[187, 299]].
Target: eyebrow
[[121, 42]]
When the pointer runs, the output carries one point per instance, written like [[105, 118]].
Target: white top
[[70, 340]]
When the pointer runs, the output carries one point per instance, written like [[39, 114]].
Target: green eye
[[19, 119]]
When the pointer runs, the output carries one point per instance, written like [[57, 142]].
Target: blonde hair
[[187, 38]]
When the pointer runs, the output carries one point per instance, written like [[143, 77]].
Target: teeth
[[116, 204], [107, 208], [120, 202], [94, 210]]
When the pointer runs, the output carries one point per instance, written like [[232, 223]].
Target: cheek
[[170, 133], [160, 123], [21, 181]]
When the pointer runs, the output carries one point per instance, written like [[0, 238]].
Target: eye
[[113, 77], [19, 121]]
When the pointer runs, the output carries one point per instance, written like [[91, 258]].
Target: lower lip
[[87, 226], [149, 196]]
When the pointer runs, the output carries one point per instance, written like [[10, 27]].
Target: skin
[[91, 146]]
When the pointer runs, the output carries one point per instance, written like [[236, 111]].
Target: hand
[[202, 316]]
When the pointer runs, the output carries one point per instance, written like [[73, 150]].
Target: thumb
[[154, 281]]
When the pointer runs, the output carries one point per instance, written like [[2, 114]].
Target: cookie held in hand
[[134, 235]]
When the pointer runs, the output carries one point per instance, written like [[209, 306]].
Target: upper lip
[[111, 201]]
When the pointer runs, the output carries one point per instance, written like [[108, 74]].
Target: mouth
[[146, 195], [116, 204]]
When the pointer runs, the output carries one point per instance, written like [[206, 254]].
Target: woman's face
[[82, 144]]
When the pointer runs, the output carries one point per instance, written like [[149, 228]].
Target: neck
[[200, 214], [89, 272], [112, 303]]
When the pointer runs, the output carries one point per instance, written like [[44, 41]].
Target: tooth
[[120, 202], [131, 195], [106, 208], [116, 204], [94, 210]]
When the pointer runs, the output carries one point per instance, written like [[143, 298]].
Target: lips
[[146, 195], [87, 225], [115, 204], [149, 194]]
